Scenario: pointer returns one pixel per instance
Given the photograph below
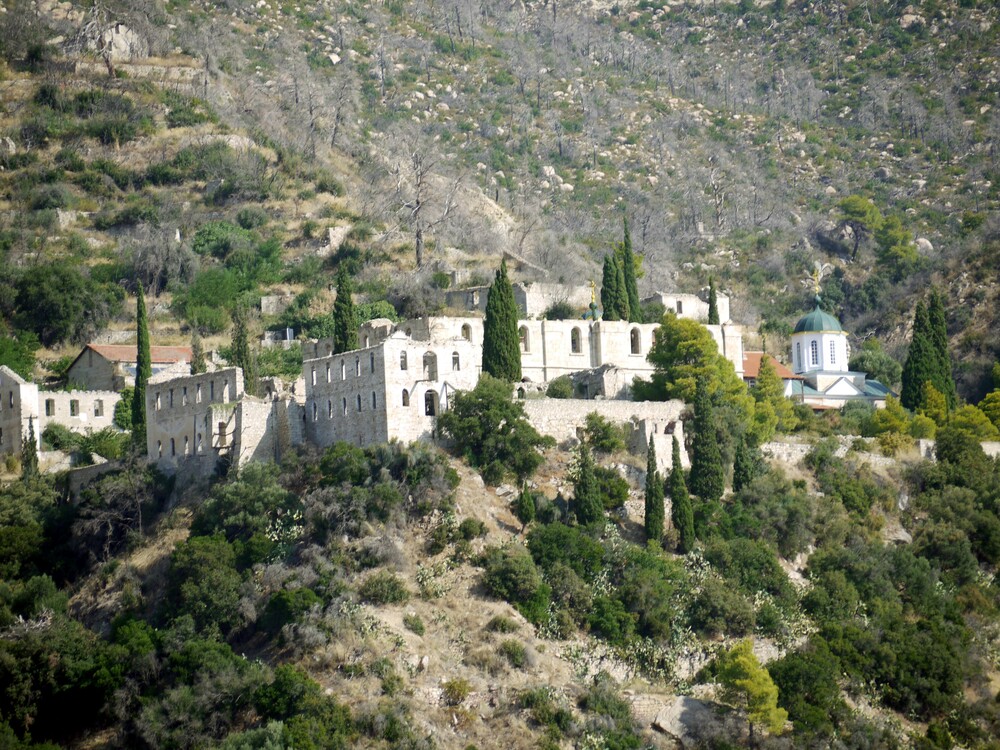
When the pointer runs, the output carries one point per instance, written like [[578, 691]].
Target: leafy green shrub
[[220, 238], [414, 624], [515, 653], [718, 609], [51, 196], [203, 582], [252, 217], [561, 387], [59, 438], [326, 183], [440, 280], [561, 310], [612, 487], [510, 574], [501, 624], [456, 690], [384, 588], [544, 710], [471, 528], [603, 436]]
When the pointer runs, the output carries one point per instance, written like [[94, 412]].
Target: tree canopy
[[501, 346]]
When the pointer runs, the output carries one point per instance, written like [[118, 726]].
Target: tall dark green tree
[[713, 303], [524, 507], [708, 475], [626, 259], [943, 379], [345, 322], [681, 511], [143, 371], [614, 299], [587, 502], [29, 452], [197, 354], [654, 496], [921, 361], [501, 347], [748, 464], [243, 357]]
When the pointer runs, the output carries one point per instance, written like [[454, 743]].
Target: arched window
[[402, 360], [680, 307], [522, 334], [520, 393], [574, 341], [833, 352], [367, 344], [467, 331], [455, 361], [430, 366], [357, 366], [198, 444], [635, 341], [159, 449], [406, 397], [315, 412], [327, 372], [186, 446], [314, 376], [343, 370], [430, 403], [814, 352], [371, 362]]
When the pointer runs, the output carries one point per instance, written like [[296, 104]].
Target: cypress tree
[[921, 360], [708, 478], [524, 508], [747, 463], [627, 263], [242, 356], [586, 493], [681, 511], [345, 322], [654, 496], [609, 288], [143, 371], [713, 303], [29, 453], [197, 354], [501, 347], [938, 327]]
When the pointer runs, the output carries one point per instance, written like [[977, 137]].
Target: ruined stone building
[[111, 367]]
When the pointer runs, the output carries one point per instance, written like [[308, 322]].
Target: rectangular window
[[74, 408], [814, 352], [171, 398], [157, 402], [197, 394], [1, 435], [833, 352], [50, 407], [184, 396], [98, 408]]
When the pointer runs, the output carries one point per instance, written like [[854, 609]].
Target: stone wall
[[80, 411], [691, 305], [93, 371], [563, 419], [18, 404]]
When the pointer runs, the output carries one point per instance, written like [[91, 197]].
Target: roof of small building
[[751, 366], [818, 321], [128, 353]]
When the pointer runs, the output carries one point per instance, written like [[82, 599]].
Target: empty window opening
[[313, 378], [430, 403], [430, 366], [157, 402], [327, 372], [344, 405], [371, 362], [74, 408], [98, 408], [374, 401], [222, 434], [173, 447], [402, 360], [574, 341], [456, 363], [680, 307], [211, 390], [359, 401], [635, 341], [522, 335], [329, 409], [798, 354], [343, 370], [467, 332], [315, 412], [50, 407], [520, 393], [186, 446], [159, 449], [184, 396], [406, 397], [197, 394], [357, 366]]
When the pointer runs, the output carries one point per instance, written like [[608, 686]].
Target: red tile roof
[[751, 366], [128, 352]]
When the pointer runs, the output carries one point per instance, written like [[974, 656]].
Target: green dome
[[817, 321]]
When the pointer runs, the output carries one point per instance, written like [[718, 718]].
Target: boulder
[[685, 720]]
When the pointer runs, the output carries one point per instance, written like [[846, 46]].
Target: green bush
[[471, 528], [285, 607], [414, 624], [456, 690], [515, 653], [501, 624], [51, 196], [561, 387], [603, 436], [384, 588]]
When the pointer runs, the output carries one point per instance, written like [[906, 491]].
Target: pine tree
[[770, 389], [586, 492], [29, 453], [243, 357], [681, 511], [610, 291], [197, 354], [748, 685], [345, 322], [501, 347], [943, 379], [626, 260], [707, 472], [921, 361], [524, 508], [654, 496], [143, 372], [713, 303]]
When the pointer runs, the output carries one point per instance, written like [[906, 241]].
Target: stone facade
[[80, 411], [391, 389], [563, 419], [18, 404], [533, 299], [111, 367], [691, 305]]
